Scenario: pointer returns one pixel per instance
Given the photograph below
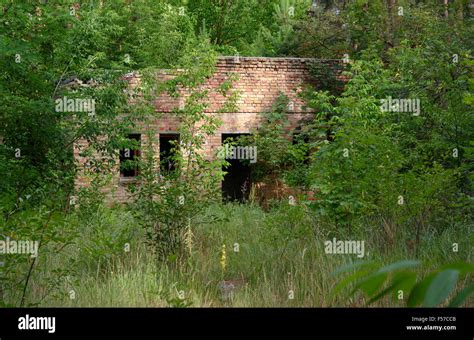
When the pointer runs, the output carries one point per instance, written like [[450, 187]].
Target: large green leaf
[[459, 299], [440, 288], [371, 284], [418, 292], [402, 280], [350, 279], [399, 265], [462, 267]]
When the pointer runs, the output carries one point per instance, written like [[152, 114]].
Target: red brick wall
[[259, 82]]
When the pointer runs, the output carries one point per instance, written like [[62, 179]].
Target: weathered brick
[[260, 81]]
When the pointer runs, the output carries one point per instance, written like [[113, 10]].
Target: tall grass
[[280, 260]]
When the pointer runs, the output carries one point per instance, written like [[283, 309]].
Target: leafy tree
[[167, 203]]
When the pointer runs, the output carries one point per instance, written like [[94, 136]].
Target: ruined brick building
[[260, 81]]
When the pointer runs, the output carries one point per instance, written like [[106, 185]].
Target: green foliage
[[278, 38], [106, 235], [376, 162], [167, 203], [279, 156], [400, 281], [410, 174], [52, 236], [230, 24], [277, 250]]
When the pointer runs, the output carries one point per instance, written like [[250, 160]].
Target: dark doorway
[[168, 144], [237, 181]]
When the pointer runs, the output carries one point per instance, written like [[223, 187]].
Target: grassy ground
[[280, 261]]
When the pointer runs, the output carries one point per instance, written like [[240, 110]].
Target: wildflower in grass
[[223, 258], [188, 238]]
